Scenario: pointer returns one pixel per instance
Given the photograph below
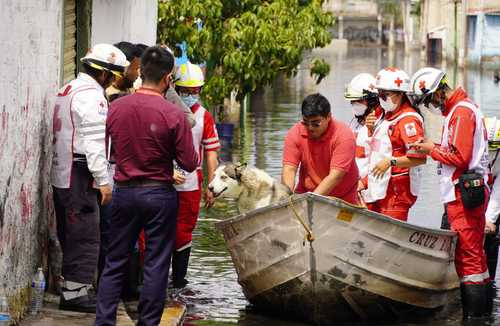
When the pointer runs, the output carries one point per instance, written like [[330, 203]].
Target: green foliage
[[245, 43]]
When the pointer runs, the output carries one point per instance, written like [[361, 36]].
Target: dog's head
[[227, 180]]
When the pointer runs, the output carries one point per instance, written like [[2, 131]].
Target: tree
[[246, 43]]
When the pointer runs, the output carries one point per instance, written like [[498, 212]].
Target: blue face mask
[[190, 100]]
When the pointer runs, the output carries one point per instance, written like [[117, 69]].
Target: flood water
[[214, 297]]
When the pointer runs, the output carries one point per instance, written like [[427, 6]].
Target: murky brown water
[[214, 294]]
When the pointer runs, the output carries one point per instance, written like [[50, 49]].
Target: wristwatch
[[393, 162]]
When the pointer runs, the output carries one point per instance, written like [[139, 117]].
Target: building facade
[[42, 42], [465, 31]]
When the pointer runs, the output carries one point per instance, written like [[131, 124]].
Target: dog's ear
[[238, 170]]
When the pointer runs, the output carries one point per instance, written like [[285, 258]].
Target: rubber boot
[[490, 295], [180, 261], [76, 297], [474, 300], [491, 243]]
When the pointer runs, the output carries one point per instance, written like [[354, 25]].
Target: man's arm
[[174, 98], [460, 140], [330, 182], [211, 161], [185, 154], [91, 128], [288, 176]]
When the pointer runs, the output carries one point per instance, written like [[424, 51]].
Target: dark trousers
[[135, 208], [77, 216]]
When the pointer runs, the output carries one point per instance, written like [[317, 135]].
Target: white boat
[[360, 265]]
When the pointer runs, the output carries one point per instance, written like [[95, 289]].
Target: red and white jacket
[[205, 139], [464, 143], [79, 124]]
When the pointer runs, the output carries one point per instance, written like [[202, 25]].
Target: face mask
[[388, 105], [190, 99], [435, 109], [358, 109]]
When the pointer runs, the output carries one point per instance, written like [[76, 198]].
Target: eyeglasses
[[314, 124], [385, 94]]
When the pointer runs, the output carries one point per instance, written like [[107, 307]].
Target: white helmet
[[106, 57], [392, 79], [360, 87], [424, 82], [189, 75], [492, 125]]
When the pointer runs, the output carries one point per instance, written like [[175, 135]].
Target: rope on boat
[[309, 234]]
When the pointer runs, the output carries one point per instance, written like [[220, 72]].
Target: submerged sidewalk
[[51, 316]]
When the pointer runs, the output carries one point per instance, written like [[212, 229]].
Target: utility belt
[[472, 188]]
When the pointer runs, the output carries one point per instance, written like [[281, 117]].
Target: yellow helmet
[[492, 125], [189, 75]]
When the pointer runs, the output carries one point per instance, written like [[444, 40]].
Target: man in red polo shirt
[[325, 150]]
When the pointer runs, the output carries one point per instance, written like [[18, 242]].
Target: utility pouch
[[472, 189]]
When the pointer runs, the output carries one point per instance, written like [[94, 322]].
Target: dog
[[251, 187]]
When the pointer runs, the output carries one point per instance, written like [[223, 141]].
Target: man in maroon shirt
[[146, 135]]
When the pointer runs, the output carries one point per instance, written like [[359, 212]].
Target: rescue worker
[[362, 94], [324, 148], [189, 82], [491, 241], [80, 171], [144, 196], [125, 84], [394, 173], [462, 160]]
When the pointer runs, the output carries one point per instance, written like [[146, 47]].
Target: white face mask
[[388, 105], [358, 109], [434, 109]]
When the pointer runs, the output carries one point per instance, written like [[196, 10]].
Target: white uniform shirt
[[79, 128]]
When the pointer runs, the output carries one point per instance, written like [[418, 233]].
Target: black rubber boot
[[180, 261], [490, 295], [85, 303], [474, 300], [491, 243]]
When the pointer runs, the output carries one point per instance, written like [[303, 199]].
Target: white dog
[[251, 187]]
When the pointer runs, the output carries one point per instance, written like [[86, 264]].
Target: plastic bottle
[[4, 312], [37, 291]]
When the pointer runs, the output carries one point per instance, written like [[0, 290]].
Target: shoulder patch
[[410, 129]]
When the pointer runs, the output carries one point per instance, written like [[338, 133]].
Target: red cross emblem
[[101, 104], [378, 77], [421, 84], [371, 86], [390, 69], [398, 82]]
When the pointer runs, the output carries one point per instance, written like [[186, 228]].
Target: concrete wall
[[124, 20], [30, 39]]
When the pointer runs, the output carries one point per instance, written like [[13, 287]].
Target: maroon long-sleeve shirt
[[147, 133]]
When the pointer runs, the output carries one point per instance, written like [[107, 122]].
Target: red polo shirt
[[335, 149], [147, 133]]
